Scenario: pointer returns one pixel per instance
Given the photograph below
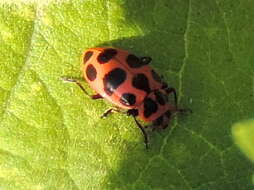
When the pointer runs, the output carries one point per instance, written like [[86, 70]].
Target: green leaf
[[51, 134], [243, 133]]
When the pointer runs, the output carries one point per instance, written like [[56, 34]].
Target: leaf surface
[[51, 134]]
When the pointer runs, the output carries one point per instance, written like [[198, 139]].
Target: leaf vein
[[211, 145], [187, 183], [185, 50], [226, 27], [23, 67]]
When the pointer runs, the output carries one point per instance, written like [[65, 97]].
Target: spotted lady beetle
[[128, 82]]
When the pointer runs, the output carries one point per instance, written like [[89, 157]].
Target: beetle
[[130, 84]]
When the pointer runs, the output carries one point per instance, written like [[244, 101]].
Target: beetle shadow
[[163, 26]]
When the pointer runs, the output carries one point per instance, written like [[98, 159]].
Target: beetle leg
[[184, 111], [110, 111], [143, 131], [95, 96], [172, 90], [134, 113]]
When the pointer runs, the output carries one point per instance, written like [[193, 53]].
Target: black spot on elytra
[[141, 82], [155, 76], [87, 56], [91, 72], [135, 62], [158, 121], [113, 80], [160, 98], [106, 55], [128, 99], [150, 107]]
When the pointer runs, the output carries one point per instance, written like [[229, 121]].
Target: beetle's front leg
[[94, 97]]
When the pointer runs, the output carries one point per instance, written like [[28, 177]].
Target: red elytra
[[128, 82]]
